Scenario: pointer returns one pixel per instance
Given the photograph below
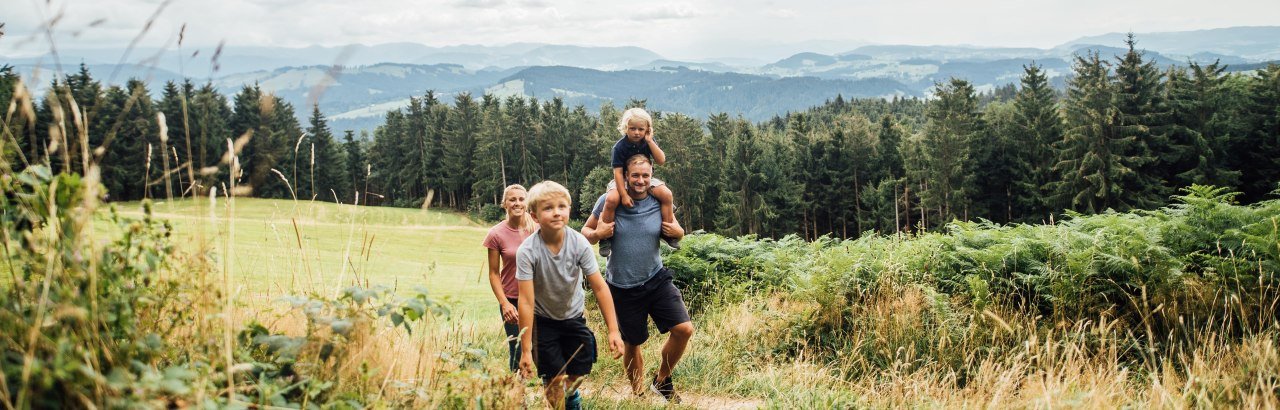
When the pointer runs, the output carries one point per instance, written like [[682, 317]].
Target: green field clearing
[[285, 247]]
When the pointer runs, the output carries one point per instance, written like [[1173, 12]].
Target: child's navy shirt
[[624, 149]]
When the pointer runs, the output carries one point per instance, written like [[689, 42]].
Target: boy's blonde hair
[[545, 191], [636, 113]]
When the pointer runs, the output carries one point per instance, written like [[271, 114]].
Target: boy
[[551, 265], [636, 126]]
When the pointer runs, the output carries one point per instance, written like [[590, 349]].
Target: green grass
[[285, 247]]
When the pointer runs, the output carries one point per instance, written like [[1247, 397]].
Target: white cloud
[[676, 29], [662, 12], [783, 13]]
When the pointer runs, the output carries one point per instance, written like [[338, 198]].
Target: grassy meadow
[[285, 247], [270, 303]]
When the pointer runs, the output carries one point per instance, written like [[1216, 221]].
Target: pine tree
[[250, 115], [357, 168], [739, 197], [583, 150], [174, 104], [391, 157], [685, 172], [60, 122], [16, 151], [954, 124], [889, 141], [331, 181], [1202, 130], [132, 155], [779, 184], [210, 130], [1142, 118], [1260, 172], [997, 162], [1037, 129], [490, 169], [459, 141], [1094, 165]]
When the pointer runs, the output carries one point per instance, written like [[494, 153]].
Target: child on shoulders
[[636, 126]]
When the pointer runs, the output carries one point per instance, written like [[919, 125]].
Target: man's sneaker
[[665, 389], [606, 247], [672, 242]]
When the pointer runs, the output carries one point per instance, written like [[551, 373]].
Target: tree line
[[1126, 134]]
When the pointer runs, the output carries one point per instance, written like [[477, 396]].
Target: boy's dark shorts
[[657, 298], [555, 344]]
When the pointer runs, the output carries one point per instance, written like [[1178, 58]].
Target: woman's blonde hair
[[526, 222]]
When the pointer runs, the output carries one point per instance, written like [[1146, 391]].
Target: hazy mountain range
[[370, 80]]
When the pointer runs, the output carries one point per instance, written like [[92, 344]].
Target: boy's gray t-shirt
[[635, 256], [557, 279]]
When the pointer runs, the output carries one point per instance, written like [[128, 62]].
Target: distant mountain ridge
[[1257, 43], [374, 79], [692, 92]]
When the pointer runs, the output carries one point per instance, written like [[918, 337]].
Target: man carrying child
[[640, 285]]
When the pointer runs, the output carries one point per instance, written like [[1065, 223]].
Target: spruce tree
[[210, 130], [357, 168], [1260, 172], [1037, 128], [131, 160], [330, 168], [1094, 166], [16, 145], [954, 124], [1143, 119], [490, 169], [460, 134], [997, 163]]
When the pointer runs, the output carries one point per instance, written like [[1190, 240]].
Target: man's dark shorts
[[657, 298], [563, 345]]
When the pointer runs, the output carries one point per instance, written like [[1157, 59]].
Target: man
[[640, 285]]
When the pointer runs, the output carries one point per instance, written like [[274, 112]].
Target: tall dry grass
[[192, 311], [905, 351]]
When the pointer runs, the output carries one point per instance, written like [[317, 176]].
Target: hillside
[[692, 92]]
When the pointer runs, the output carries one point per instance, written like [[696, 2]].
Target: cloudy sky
[[678, 30]]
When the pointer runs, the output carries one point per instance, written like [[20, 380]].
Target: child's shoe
[[606, 247], [672, 242]]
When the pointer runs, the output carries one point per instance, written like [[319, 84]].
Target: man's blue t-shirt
[[624, 149], [635, 257]]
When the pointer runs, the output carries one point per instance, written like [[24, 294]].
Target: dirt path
[[621, 393]]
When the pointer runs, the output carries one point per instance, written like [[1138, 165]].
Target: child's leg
[[666, 201], [610, 204], [611, 201]]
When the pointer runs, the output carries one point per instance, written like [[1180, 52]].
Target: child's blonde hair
[[545, 191], [636, 113], [526, 221]]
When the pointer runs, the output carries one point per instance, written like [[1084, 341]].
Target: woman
[[502, 241]]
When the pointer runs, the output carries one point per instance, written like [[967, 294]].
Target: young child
[[551, 265], [636, 126]]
